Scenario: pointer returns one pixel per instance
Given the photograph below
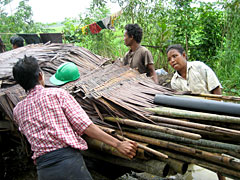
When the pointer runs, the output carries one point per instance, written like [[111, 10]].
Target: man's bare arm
[[128, 148], [152, 73], [217, 90]]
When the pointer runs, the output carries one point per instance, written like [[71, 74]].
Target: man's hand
[[128, 148]]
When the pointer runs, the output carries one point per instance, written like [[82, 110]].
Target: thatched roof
[[97, 83], [50, 57]]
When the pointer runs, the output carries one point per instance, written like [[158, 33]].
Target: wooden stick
[[154, 127]]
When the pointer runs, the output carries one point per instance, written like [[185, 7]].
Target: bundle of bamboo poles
[[121, 102], [217, 156]]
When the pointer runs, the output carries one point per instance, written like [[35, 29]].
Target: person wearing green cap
[[53, 123], [66, 72]]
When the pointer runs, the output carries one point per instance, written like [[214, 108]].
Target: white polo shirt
[[200, 78]]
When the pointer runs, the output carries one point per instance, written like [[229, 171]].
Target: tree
[[20, 22], [229, 53]]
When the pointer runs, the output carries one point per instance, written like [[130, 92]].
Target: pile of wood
[[121, 102]]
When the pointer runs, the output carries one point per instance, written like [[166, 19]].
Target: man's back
[[44, 116]]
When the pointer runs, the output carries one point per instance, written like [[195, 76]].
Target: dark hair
[[134, 30], [17, 40], [26, 72], [177, 47]]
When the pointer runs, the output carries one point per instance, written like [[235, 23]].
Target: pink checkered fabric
[[51, 118]]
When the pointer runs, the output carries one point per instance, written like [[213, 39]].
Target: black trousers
[[62, 164]]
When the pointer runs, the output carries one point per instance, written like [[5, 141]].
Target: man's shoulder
[[19, 105], [44, 93], [143, 49], [54, 90], [197, 64], [175, 76]]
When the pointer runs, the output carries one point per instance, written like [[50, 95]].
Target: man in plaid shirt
[[53, 123]]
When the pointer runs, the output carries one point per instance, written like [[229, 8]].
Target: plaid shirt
[[51, 118]]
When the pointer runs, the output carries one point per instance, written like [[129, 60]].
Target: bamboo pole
[[172, 172], [172, 138], [197, 131], [154, 127], [234, 154], [150, 150], [230, 162], [208, 149], [100, 146], [139, 145], [173, 112], [232, 126], [195, 125], [217, 97], [177, 165], [151, 166], [229, 172], [203, 133]]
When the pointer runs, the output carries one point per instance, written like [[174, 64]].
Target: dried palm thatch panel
[[121, 90], [9, 97], [50, 57]]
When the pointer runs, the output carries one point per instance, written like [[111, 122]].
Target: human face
[[177, 60], [14, 46], [127, 40]]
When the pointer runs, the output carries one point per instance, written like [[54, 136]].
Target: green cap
[[65, 73]]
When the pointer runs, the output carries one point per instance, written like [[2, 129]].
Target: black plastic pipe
[[202, 105]]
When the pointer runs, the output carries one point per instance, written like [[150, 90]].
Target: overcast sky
[[48, 11]]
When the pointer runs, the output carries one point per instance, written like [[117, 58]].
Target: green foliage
[[107, 43], [19, 22], [198, 28], [228, 66]]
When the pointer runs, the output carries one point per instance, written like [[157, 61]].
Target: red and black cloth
[[95, 28]]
